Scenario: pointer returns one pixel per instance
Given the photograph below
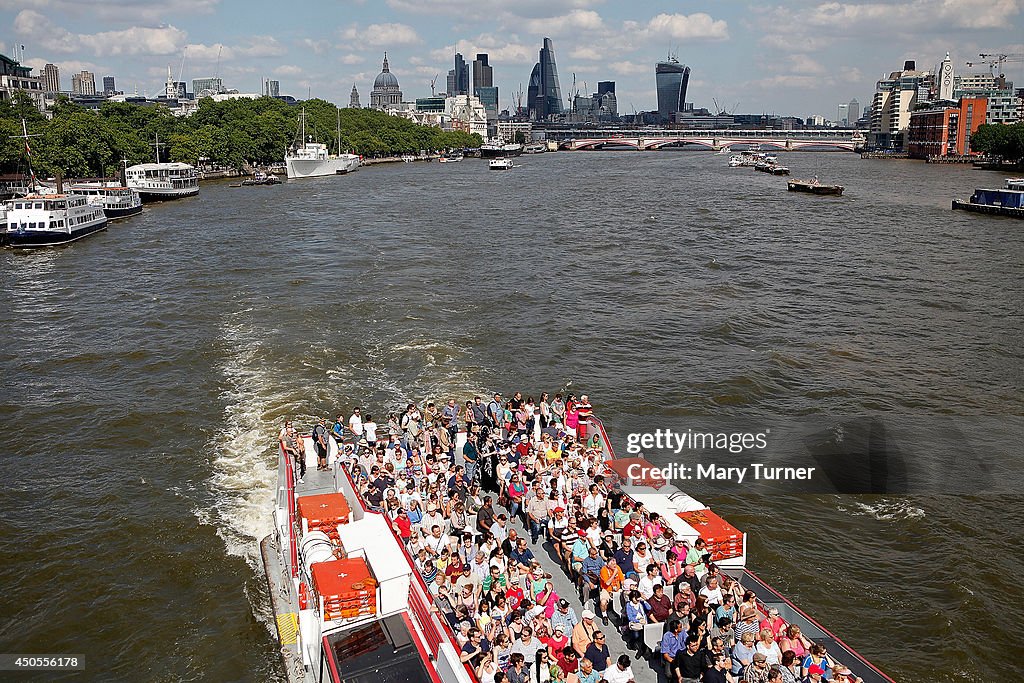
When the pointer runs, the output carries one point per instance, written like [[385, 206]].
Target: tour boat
[[500, 164], [497, 148], [450, 158], [47, 220], [116, 200], [350, 605], [163, 180]]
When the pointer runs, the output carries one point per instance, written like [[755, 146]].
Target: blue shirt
[[581, 550], [671, 643], [524, 557], [592, 565]]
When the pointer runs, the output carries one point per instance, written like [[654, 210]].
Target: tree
[[1005, 141]]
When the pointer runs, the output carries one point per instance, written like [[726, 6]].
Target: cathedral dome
[[385, 79]]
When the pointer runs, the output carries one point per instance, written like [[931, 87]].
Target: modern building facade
[[51, 79], [206, 87], [271, 88], [671, 78], [483, 72], [83, 83], [544, 93], [458, 78], [109, 87], [353, 98], [1004, 103], [853, 112], [945, 130], [894, 100], [386, 91], [843, 115]]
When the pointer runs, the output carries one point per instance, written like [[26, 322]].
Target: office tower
[[204, 87], [671, 78], [458, 78], [272, 88], [483, 74], [853, 111], [605, 87], [843, 115], [544, 93], [108, 85], [83, 83], [51, 79]]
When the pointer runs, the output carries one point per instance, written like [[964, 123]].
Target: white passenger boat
[[450, 158], [500, 164], [163, 180], [312, 159], [116, 200], [350, 603], [47, 220]]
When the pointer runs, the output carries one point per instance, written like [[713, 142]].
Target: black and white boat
[[48, 220], [494, 148], [116, 200]]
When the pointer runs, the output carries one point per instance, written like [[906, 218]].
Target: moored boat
[[310, 159], [1008, 201], [261, 178], [450, 158], [48, 220], [496, 148], [163, 180], [814, 186], [116, 200]]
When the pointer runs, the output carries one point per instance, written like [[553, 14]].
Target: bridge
[[712, 139]]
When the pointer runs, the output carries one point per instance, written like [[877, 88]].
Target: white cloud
[[588, 53], [962, 14], [627, 68], [135, 40], [124, 11], [802, 64], [382, 35], [352, 59], [489, 9], [318, 47], [499, 50], [571, 23], [288, 70], [697, 26]]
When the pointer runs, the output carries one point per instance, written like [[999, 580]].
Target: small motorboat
[[813, 186], [500, 164]]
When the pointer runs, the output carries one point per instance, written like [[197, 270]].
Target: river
[[146, 370]]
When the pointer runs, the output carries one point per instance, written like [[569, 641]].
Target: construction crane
[[433, 81], [995, 61]]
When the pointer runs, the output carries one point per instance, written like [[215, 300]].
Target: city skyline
[[797, 58]]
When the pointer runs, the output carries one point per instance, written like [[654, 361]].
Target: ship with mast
[[311, 159]]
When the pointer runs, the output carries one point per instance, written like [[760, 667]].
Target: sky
[[799, 57]]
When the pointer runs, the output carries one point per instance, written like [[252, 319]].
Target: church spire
[[385, 62]]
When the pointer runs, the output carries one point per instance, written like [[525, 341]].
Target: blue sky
[[798, 57]]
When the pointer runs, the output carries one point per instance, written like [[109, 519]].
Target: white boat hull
[[313, 168]]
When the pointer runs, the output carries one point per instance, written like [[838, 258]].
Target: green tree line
[[996, 139], [77, 142]]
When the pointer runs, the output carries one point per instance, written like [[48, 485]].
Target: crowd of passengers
[[531, 473]]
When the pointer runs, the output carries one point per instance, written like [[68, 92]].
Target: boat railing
[[435, 632]]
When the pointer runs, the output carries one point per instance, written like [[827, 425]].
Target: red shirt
[[632, 529], [514, 597], [404, 526]]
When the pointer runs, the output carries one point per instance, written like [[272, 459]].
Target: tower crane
[[996, 60], [433, 81]]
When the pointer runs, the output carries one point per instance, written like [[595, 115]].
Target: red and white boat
[[350, 605]]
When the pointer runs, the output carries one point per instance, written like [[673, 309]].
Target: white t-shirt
[[613, 674], [370, 430], [355, 423], [713, 597], [592, 502]]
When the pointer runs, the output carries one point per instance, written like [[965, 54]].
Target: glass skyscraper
[[671, 77], [544, 93]]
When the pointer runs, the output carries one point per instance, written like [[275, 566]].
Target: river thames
[[146, 371]]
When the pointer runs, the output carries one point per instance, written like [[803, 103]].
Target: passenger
[[758, 671], [795, 641], [355, 425], [338, 431], [660, 606], [686, 666], [598, 653], [768, 647], [819, 657], [774, 623], [743, 654], [790, 667], [320, 444], [587, 673]]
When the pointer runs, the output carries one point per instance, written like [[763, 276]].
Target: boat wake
[[887, 510]]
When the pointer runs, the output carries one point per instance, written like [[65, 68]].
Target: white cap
[[587, 614]]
